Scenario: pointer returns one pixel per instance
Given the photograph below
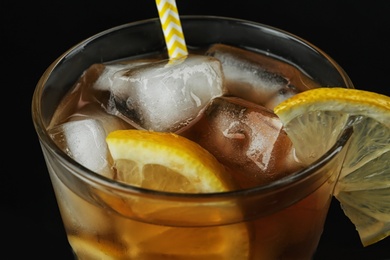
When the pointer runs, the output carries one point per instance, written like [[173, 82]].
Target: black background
[[34, 33]]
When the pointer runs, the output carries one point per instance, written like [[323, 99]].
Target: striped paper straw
[[173, 33]]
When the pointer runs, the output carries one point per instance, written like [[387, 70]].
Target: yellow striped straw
[[173, 33]]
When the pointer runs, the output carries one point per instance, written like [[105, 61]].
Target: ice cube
[[95, 111], [83, 137], [81, 94], [259, 78], [112, 71], [93, 87], [246, 137], [164, 96]]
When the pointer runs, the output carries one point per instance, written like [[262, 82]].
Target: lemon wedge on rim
[[314, 119], [166, 162]]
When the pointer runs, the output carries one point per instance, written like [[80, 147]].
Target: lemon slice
[[169, 162], [166, 162], [313, 120]]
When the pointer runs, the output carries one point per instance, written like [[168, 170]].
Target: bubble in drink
[[163, 96], [258, 78], [246, 137]]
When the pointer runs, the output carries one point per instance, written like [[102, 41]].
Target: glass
[[104, 218]]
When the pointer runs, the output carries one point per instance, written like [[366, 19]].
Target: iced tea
[[221, 96]]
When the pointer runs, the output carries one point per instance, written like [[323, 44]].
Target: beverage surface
[[209, 113], [221, 98]]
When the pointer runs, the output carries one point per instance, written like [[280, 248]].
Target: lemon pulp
[[165, 161]]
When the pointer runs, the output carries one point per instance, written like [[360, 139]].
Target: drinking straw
[[171, 26]]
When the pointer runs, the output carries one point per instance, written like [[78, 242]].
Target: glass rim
[[88, 175]]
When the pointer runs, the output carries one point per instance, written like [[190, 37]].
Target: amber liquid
[[110, 224], [111, 228]]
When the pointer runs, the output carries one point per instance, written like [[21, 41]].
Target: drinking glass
[[105, 219]]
